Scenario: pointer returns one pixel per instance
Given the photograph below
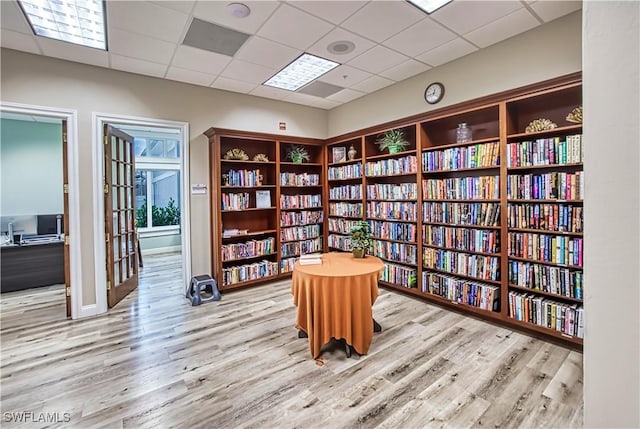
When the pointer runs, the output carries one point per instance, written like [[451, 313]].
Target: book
[[263, 199], [310, 259]]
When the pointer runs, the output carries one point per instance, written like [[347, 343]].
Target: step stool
[[199, 284]]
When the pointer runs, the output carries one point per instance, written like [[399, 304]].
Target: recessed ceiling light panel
[[303, 70], [429, 6], [81, 21]]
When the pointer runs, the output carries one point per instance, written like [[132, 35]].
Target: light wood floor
[[156, 362]]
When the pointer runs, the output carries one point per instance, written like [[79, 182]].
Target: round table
[[334, 300]]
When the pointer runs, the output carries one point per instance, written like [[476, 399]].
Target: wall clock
[[434, 92]]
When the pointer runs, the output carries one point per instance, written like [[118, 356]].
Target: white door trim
[[78, 307], [100, 256]]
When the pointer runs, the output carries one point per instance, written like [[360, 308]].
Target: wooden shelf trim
[[541, 292]]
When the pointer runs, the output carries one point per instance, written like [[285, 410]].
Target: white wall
[[611, 79], [548, 51], [42, 81], [30, 168]]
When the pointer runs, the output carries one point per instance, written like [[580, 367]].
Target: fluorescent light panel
[[303, 70], [81, 21], [429, 6]]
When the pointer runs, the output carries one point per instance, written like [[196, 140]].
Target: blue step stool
[[202, 284]]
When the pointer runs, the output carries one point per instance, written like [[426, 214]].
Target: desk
[[334, 300]]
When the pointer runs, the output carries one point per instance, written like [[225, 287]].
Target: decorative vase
[[297, 160], [463, 133], [395, 149], [352, 153], [358, 253]]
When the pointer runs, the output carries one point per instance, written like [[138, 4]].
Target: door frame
[[100, 255], [78, 308]]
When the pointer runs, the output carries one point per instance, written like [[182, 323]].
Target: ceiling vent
[[212, 37], [320, 89]]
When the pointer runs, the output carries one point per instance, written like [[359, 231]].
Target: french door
[[120, 214]]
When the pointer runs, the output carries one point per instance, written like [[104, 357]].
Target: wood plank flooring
[[154, 361]]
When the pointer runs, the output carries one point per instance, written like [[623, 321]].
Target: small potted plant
[[393, 140], [297, 154], [360, 238]]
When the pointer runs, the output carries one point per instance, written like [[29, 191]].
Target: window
[[157, 184]]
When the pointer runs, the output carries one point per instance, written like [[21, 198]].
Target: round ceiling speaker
[[238, 10], [341, 47]]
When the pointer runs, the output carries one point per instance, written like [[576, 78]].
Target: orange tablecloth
[[334, 299]]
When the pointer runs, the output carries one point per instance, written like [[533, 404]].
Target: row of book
[[546, 186], [246, 272], [546, 278], [300, 232], [387, 191], [340, 242], [295, 248], [346, 192], [287, 264], [478, 214], [341, 225], [249, 249], [392, 210], [345, 172], [550, 151], [473, 240], [556, 249], [245, 178], [400, 231], [475, 294], [563, 318], [299, 179], [462, 188], [303, 217], [466, 264], [300, 201], [392, 166], [550, 217], [474, 156], [399, 275], [235, 201], [345, 209], [397, 252]]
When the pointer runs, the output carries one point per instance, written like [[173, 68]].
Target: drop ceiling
[[393, 41]]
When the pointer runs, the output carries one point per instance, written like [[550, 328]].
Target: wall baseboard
[[169, 249]]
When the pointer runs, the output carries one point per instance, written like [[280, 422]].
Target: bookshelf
[[265, 208]]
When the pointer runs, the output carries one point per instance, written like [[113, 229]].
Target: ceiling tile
[[448, 52], [196, 59], [216, 11], [19, 41], [135, 65], [248, 72], [12, 18], [405, 70], [190, 76], [377, 59], [267, 53], [323, 103], [305, 99], [233, 85], [180, 5], [332, 11], [345, 95], [503, 28], [344, 76], [292, 27], [419, 38], [73, 52], [148, 19], [550, 10], [465, 16], [337, 35], [372, 84], [395, 16], [270, 92], [139, 46]]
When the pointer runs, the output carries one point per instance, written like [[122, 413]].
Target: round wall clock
[[434, 92]]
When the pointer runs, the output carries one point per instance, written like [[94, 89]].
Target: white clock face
[[434, 93]]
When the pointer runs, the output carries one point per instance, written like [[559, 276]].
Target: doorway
[[160, 190]]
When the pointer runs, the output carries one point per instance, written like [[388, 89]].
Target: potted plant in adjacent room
[[298, 154], [393, 140], [360, 238]]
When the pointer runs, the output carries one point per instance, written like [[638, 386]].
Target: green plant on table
[[360, 239]]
